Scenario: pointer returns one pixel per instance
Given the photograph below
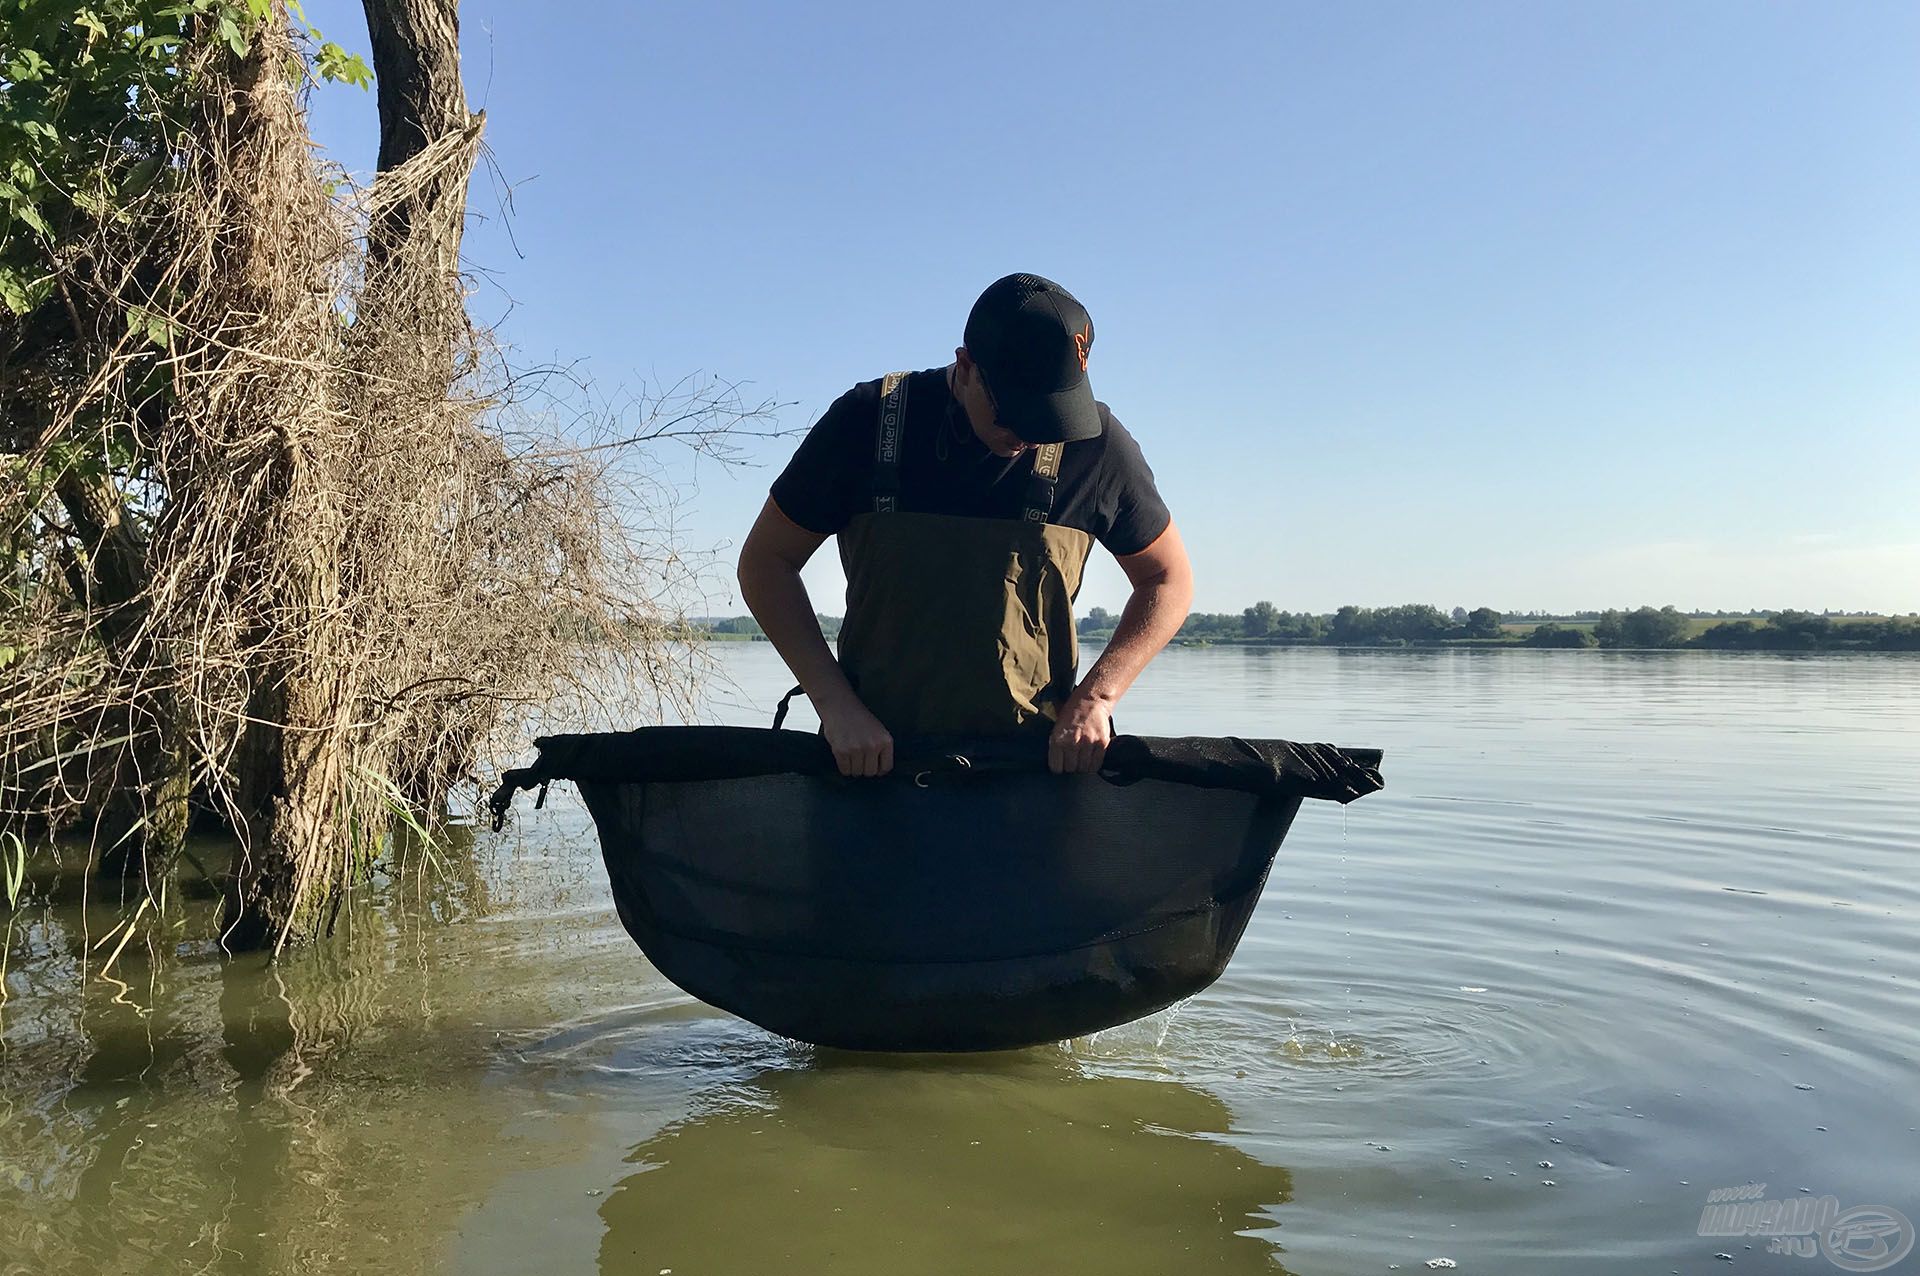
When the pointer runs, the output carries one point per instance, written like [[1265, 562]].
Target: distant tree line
[[1778, 631], [1751, 613], [1419, 624], [1804, 631], [1351, 626], [748, 627], [1642, 627]]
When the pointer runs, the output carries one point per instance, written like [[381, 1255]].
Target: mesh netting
[[969, 901]]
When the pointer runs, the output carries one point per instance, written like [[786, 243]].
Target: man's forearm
[[1153, 615], [778, 599]]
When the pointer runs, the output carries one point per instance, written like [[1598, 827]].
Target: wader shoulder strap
[[1046, 471], [886, 451]]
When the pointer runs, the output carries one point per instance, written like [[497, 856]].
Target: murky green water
[[1651, 918]]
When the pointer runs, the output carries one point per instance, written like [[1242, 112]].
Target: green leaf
[[158, 328], [122, 448], [140, 176], [27, 66], [27, 213], [334, 63], [89, 21], [21, 293], [235, 38]]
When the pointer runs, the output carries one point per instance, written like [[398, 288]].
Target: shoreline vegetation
[[1422, 625], [225, 365]]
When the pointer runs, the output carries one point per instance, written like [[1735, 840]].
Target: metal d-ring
[[959, 761]]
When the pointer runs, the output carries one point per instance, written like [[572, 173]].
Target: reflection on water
[[202, 1114], [1021, 1164], [1649, 921]]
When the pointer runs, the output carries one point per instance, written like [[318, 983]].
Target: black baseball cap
[[1031, 339]]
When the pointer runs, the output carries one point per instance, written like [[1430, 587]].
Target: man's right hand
[[770, 562], [861, 744]]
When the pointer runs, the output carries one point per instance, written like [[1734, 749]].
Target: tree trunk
[[401, 359], [416, 65], [142, 823]]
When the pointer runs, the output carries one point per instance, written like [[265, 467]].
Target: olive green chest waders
[[956, 624]]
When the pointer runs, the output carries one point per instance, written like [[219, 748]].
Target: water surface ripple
[[1623, 928]]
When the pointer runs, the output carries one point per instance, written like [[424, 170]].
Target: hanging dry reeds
[[307, 556]]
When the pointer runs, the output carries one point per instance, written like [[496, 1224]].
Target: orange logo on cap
[[1082, 341]]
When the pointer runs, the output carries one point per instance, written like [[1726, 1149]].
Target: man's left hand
[[1080, 736]]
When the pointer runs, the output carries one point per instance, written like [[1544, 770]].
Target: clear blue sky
[[1531, 305]]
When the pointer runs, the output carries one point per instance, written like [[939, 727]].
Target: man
[[966, 500]]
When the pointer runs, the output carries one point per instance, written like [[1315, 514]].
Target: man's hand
[[1162, 581], [1080, 736], [860, 742], [770, 562]]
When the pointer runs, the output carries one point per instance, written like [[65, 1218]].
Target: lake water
[[1650, 918]]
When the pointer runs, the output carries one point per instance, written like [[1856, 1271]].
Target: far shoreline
[[1447, 644], [1426, 627]]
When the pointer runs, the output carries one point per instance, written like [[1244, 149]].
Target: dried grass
[[363, 554]]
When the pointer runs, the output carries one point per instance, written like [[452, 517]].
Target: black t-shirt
[[1105, 488]]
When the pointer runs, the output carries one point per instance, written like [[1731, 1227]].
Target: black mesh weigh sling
[[971, 900]]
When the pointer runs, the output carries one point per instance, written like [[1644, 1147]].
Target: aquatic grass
[[397, 809], [13, 850], [126, 928]]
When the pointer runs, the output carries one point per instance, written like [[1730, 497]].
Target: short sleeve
[[1135, 516], [824, 485]]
